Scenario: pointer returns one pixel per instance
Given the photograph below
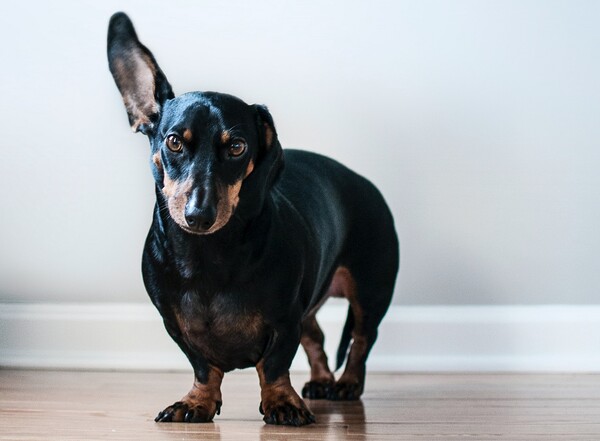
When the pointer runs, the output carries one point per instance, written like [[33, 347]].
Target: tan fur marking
[[249, 169], [177, 194], [215, 332], [157, 161], [344, 285], [225, 137], [277, 393], [233, 194], [319, 371], [249, 324], [206, 395], [212, 388], [268, 135], [312, 342], [187, 136]]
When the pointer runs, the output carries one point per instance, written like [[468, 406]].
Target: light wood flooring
[[62, 405]]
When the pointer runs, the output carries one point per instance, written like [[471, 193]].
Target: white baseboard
[[548, 338]]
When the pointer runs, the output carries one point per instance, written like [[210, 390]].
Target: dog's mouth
[[198, 230]]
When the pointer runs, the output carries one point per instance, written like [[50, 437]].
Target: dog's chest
[[225, 332]]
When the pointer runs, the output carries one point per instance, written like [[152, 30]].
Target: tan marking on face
[[229, 197], [157, 161], [187, 136], [177, 194], [249, 168], [225, 137]]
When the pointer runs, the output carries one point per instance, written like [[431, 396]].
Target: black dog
[[242, 251]]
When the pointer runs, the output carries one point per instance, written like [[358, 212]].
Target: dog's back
[[346, 214]]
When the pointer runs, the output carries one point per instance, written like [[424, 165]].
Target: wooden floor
[[59, 405]]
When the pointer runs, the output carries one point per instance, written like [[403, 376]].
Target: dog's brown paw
[[184, 412], [287, 413], [315, 390], [345, 391]]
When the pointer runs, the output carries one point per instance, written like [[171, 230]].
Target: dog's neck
[[196, 254]]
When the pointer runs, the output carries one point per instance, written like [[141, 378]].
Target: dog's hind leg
[[350, 385], [369, 301], [321, 377]]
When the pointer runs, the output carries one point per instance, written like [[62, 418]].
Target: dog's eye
[[237, 148], [174, 143]]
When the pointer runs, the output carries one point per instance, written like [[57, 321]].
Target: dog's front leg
[[280, 403], [201, 403], [204, 400]]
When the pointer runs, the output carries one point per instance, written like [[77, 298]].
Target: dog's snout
[[200, 211]]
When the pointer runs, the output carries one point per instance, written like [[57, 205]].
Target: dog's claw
[[164, 417], [343, 391], [189, 416], [185, 412], [315, 390], [288, 414]]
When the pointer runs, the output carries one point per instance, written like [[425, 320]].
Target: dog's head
[[208, 148]]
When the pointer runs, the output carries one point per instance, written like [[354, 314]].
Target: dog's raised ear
[[142, 84]]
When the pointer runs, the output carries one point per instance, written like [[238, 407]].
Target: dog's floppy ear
[[142, 84], [270, 155]]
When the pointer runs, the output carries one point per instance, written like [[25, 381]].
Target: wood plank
[[63, 405]]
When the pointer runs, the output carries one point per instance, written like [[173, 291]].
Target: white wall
[[478, 120], [465, 338]]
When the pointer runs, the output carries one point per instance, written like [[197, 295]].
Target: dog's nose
[[200, 210], [200, 218]]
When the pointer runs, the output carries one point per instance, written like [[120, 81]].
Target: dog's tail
[[345, 340]]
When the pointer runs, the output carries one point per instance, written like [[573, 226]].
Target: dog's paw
[[184, 412], [286, 413], [345, 391], [315, 390]]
